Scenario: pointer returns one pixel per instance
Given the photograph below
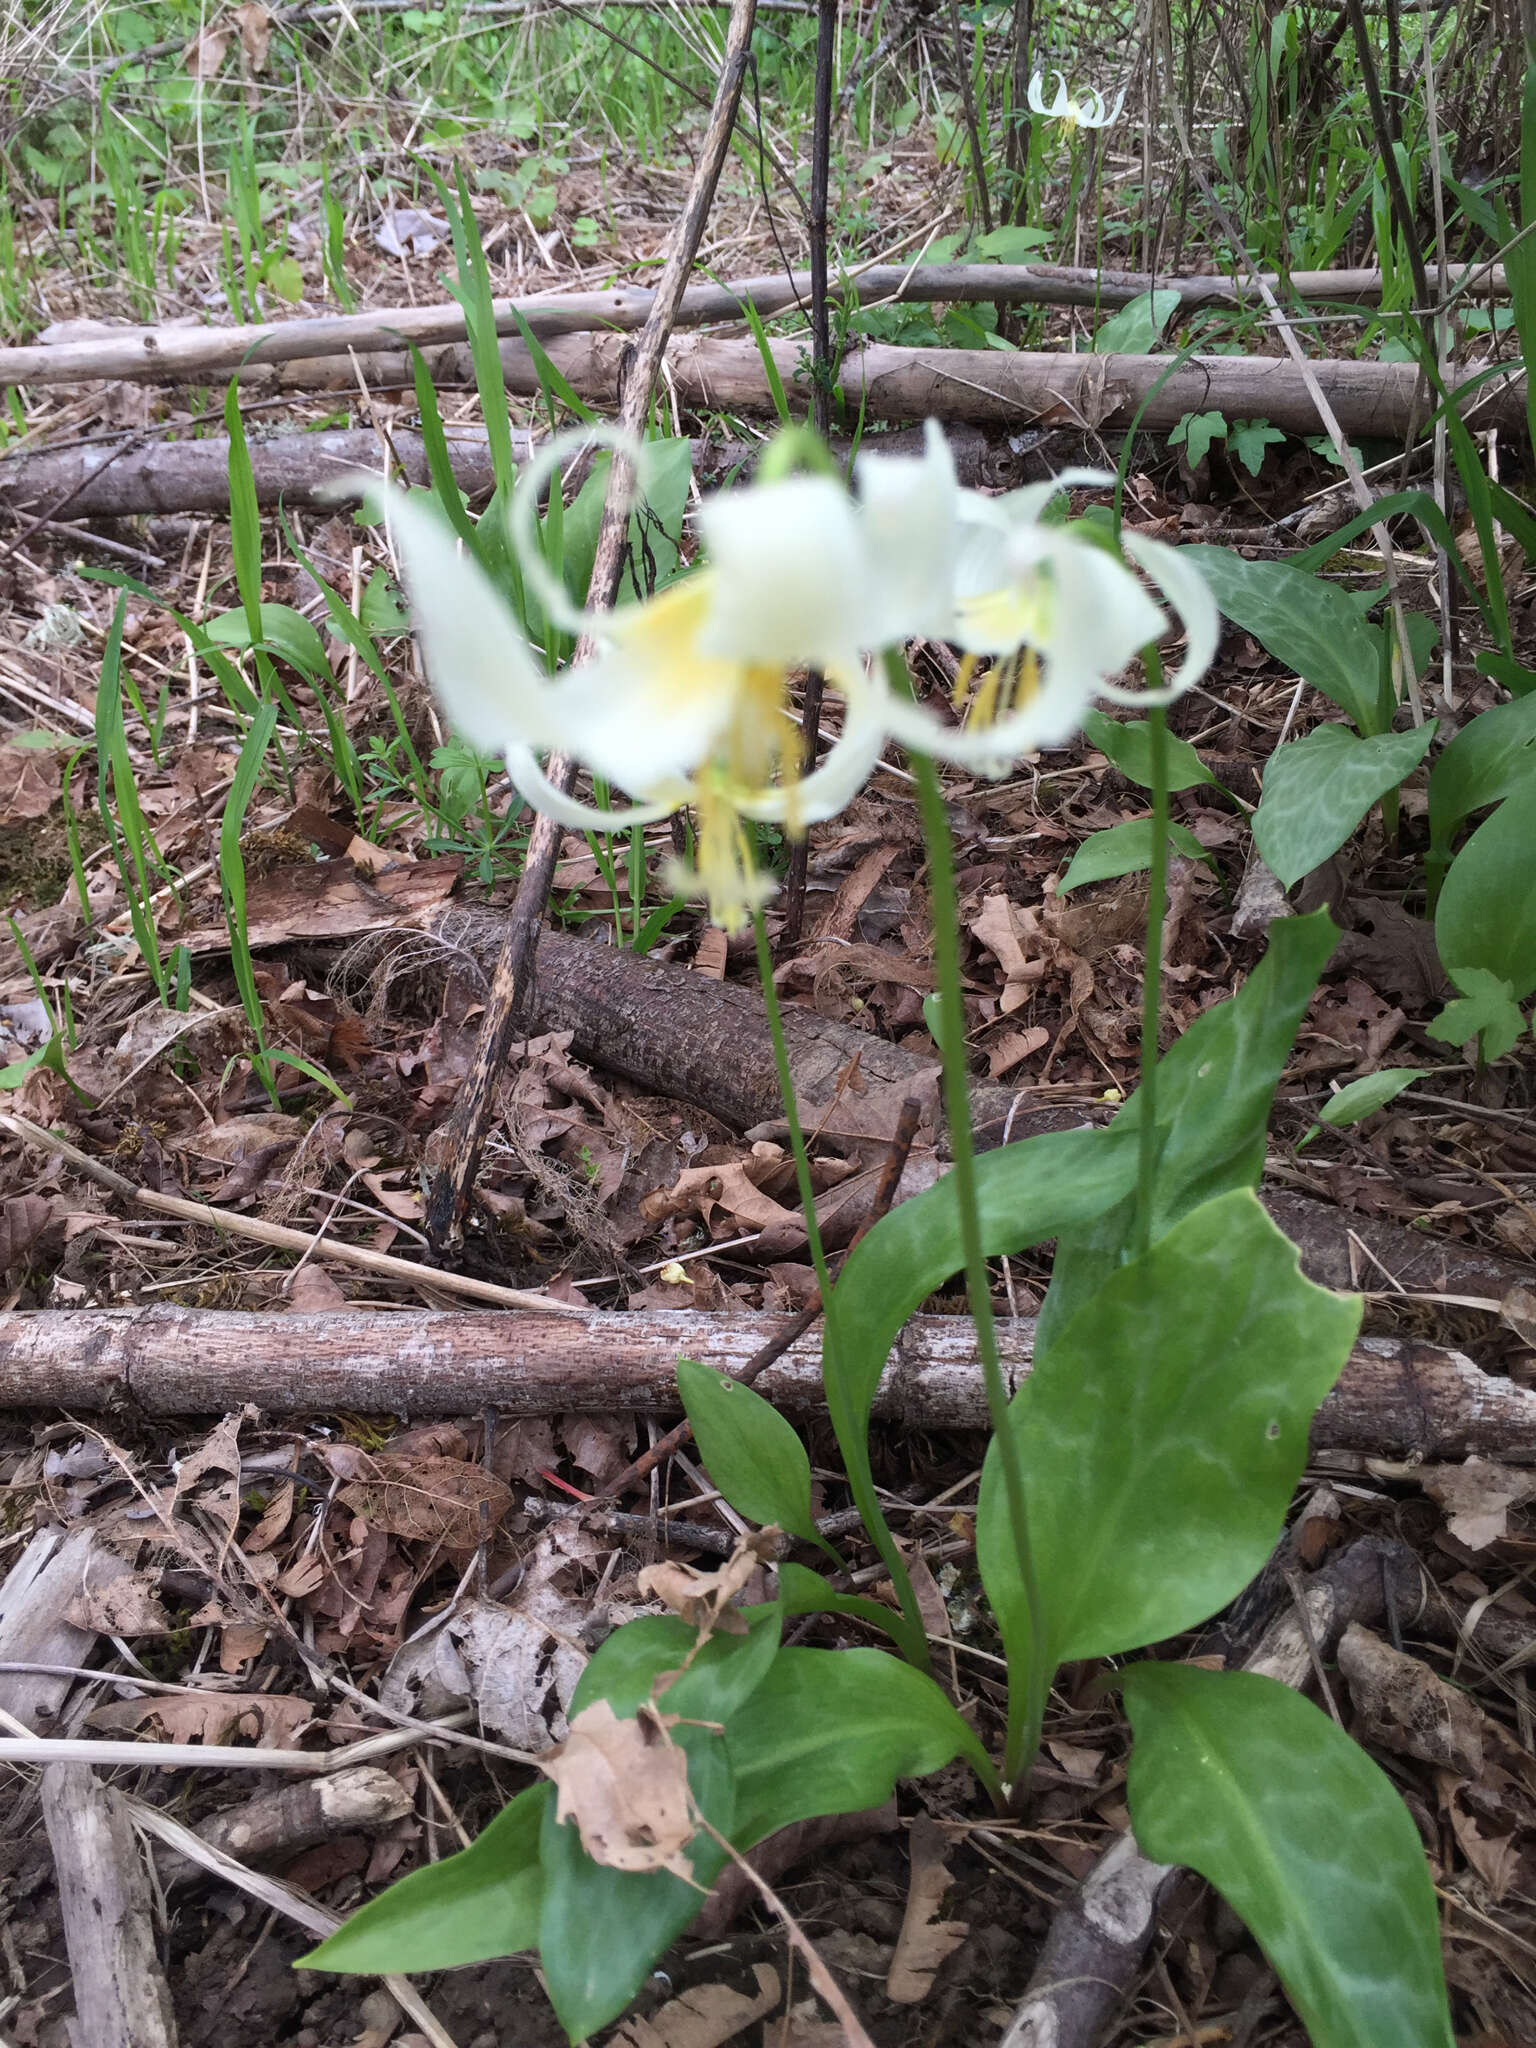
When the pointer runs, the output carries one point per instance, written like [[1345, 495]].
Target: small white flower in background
[[687, 701], [1085, 112], [1060, 616]]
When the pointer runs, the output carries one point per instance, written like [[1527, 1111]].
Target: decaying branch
[[1397, 1397], [164, 355]]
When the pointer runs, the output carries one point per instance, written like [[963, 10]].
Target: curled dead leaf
[[625, 1784], [430, 1500]]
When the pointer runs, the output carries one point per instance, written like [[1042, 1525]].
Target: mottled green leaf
[[1317, 790]]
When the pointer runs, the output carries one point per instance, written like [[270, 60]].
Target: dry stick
[[169, 355], [1098, 1939], [278, 1234], [821, 414], [457, 1157], [121, 1997]]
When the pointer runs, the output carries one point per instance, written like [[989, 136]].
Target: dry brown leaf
[[925, 1939], [728, 1186], [23, 1219], [255, 26], [430, 1500], [625, 1784], [266, 1720], [118, 1601], [1005, 1053], [330, 899], [30, 781], [218, 1455], [312, 1291], [709, 954], [703, 1599], [1405, 1706], [207, 50], [705, 2017], [239, 1642], [1477, 1497]]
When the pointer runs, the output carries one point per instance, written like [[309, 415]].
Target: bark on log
[[674, 1032], [180, 354], [121, 1996], [1101, 391], [1397, 1397], [294, 1816], [102, 482]]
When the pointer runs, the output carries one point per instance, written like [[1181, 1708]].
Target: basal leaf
[[1364, 1097], [1488, 760], [831, 1731], [1129, 746], [601, 1929], [284, 632], [1124, 850], [749, 1450], [719, 1678], [481, 1903], [1486, 916], [1161, 1435], [1304, 622], [1250, 1784], [1317, 790]]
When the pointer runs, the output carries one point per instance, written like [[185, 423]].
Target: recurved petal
[[788, 576], [1191, 597], [908, 506], [535, 787], [475, 655]]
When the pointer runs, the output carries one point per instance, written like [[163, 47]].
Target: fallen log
[[171, 354], [1397, 1397], [1370, 400], [97, 481], [706, 1042]]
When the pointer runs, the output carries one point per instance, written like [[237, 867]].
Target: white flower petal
[[541, 470], [1036, 95], [907, 517], [474, 652], [848, 765], [789, 573], [535, 787], [1192, 600]]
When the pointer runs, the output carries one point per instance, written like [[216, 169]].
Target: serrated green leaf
[[1250, 440], [1487, 1012], [1248, 1783], [1129, 746], [1317, 790], [1195, 432], [1486, 915], [831, 1731], [1304, 622], [481, 1903], [1124, 850], [1178, 1399], [749, 1450]]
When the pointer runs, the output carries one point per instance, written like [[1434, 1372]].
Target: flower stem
[[1024, 1728], [1152, 983], [791, 1113]]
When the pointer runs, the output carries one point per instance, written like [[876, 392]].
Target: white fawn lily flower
[[1085, 112], [1060, 616], [686, 700]]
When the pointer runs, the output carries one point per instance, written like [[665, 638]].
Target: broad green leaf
[[750, 1452], [1364, 1097], [1251, 440], [481, 1903], [1124, 850], [1129, 746], [1304, 622], [284, 632], [806, 1592], [1138, 327], [1248, 1783], [1161, 1435], [382, 610], [1487, 1011], [1488, 760], [1519, 680], [1486, 916], [1195, 433], [601, 1929], [1009, 245], [831, 1731], [718, 1679], [1317, 789]]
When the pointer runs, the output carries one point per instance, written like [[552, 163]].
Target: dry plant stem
[[279, 1235], [465, 1132], [1032, 1684], [121, 1997], [822, 1980]]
